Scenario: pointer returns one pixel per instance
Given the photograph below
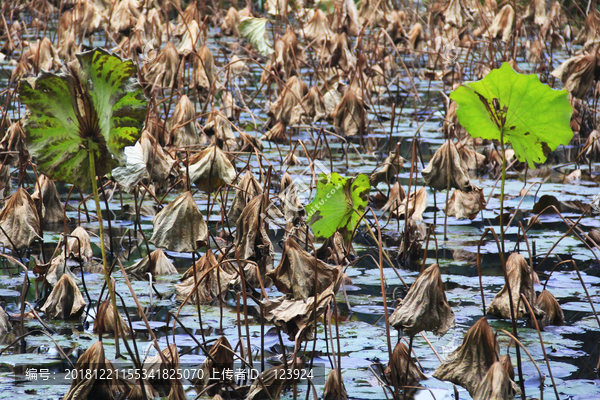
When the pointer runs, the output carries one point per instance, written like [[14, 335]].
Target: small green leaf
[[96, 108], [532, 117], [338, 204], [253, 30]]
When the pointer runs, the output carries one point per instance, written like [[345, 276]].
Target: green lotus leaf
[[97, 107], [532, 117], [338, 204]]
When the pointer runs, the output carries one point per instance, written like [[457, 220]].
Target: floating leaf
[[338, 204], [253, 30], [531, 116], [97, 107]]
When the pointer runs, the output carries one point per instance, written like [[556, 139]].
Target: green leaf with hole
[[253, 30], [532, 117], [338, 204], [97, 107]]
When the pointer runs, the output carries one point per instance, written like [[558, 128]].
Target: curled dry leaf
[[414, 204], [162, 70], [79, 245], [14, 141], [350, 116], [219, 127], [340, 54], [49, 202], [4, 322], [229, 26], [191, 39], [387, 170], [212, 279], [300, 275], [220, 358], [521, 281], [246, 189], [162, 365], [394, 198], [333, 250], [210, 169], [470, 160], [204, 72], [124, 15], [277, 134], [19, 221], [291, 94], [589, 36], [311, 107], [293, 210], [106, 322], [334, 386], [272, 381], [180, 225], [463, 205], [507, 365], [458, 12], [402, 370], [445, 170], [502, 26], [496, 385], [65, 301], [157, 263], [182, 124], [578, 73], [318, 27], [554, 314], [425, 307], [467, 365]]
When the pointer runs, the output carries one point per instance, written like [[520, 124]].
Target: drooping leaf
[[97, 107], [253, 30], [531, 116], [338, 204]]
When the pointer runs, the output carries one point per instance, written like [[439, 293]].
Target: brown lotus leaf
[[287, 53], [65, 301], [68, 48], [554, 314], [331, 99], [277, 134], [106, 321], [252, 239], [212, 279], [293, 210], [220, 359], [345, 18], [14, 141], [334, 386], [470, 160], [204, 72], [180, 226], [159, 163], [373, 12], [165, 363], [210, 169], [292, 159], [162, 69], [157, 263], [19, 221], [340, 54], [416, 37], [124, 15], [507, 365], [578, 73], [190, 14], [219, 127], [318, 27], [5, 325], [93, 359], [394, 198], [395, 28], [536, 10], [278, 7], [291, 94], [48, 200], [535, 50], [58, 267], [425, 307], [414, 204], [458, 12], [333, 250], [402, 370], [521, 281], [467, 365], [496, 385], [502, 26], [228, 106], [387, 170], [229, 26], [463, 205], [592, 145], [13, 37], [237, 67], [555, 19], [191, 39], [445, 170], [147, 33], [589, 35], [246, 189], [273, 380], [182, 124], [312, 107], [79, 246], [295, 274], [350, 116]]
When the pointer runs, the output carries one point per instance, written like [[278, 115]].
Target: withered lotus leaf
[[579, 72], [276, 134], [159, 163], [470, 159], [412, 205], [312, 106], [272, 381], [520, 280], [79, 245], [165, 364], [496, 385], [4, 322], [157, 263], [229, 26], [318, 27], [334, 386], [180, 225], [300, 274], [502, 26], [291, 94], [333, 250], [51, 206], [65, 301], [387, 170], [445, 170], [204, 72], [191, 39], [220, 359], [467, 365], [19, 221], [212, 276], [350, 116], [554, 314], [182, 124], [124, 15], [507, 365], [463, 205], [425, 307], [394, 198], [293, 209], [219, 127], [246, 189], [106, 321], [402, 370], [162, 70], [210, 169]]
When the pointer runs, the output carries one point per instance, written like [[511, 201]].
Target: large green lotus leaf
[[535, 118], [253, 30], [97, 107], [338, 204]]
